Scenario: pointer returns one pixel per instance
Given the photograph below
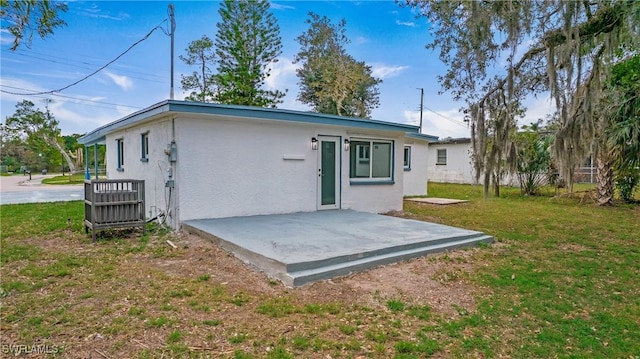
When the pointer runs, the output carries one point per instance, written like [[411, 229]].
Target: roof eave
[[98, 135]]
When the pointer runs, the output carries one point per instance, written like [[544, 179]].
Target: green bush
[[627, 183]]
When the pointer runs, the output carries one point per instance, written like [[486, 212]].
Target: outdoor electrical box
[[170, 184], [172, 151]]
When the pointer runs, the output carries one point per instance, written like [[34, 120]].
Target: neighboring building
[[449, 161], [204, 160]]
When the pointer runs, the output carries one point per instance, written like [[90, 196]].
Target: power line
[[75, 98], [447, 118], [93, 73], [85, 65]]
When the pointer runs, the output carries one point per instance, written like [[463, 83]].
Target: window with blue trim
[[120, 148], [371, 160], [407, 158], [144, 141]]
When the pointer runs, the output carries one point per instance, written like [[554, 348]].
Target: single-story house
[[202, 160], [450, 161]]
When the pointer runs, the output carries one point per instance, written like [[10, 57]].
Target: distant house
[[449, 160], [212, 161]]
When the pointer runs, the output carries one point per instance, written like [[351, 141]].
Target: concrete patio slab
[[301, 247], [434, 200]]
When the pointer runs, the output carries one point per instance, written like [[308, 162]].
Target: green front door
[[329, 173]]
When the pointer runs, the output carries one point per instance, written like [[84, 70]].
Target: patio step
[[349, 264], [439, 242]]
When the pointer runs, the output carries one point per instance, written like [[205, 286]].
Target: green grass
[[564, 276], [560, 281], [77, 178]]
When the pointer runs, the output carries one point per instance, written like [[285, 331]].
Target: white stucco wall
[[238, 167], [154, 171], [415, 179], [458, 168]]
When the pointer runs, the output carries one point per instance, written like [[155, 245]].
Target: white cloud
[[283, 74], [283, 77], [124, 82], [406, 23], [94, 11], [538, 108], [5, 37], [277, 6], [361, 40], [383, 71]]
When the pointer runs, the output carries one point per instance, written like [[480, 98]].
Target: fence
[[113, 204]]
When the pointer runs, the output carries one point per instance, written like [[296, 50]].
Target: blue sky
[[384, 35]]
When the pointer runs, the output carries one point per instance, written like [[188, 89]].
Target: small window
[[144, 141], [407, 158], [120, 147], [371, 160], [442, 157]]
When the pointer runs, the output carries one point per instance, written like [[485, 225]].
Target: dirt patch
[[438, 281], [127, 295]]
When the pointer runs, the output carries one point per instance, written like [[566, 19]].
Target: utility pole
[[173, 30], [421, 105]]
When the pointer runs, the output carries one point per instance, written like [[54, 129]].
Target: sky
[[389, 38]]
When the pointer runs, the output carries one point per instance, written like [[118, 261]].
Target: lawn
[[77, 178], [562, 280]]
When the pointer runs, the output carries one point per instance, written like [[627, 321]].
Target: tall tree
[[39, 129], [622, 108], [201, 83], [247, 43], [623, 100], [564, 47], [330, 80], [21, 18]]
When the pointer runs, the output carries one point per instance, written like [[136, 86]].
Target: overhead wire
[[82, 64], [94, 72], [77, 98], [447, 118]]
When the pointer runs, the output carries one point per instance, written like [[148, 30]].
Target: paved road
[[19, 189]]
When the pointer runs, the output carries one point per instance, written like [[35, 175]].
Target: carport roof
[[259, 113]]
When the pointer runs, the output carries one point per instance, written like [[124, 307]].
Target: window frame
[[439, 160], [364, 154], [144, 147], [120, 154], [406, 154]]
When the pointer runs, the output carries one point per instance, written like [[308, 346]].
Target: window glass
[[144, 139], [370, 159], [407, 157], [360, 159], [381, 157], [442, 157], [120, 147]]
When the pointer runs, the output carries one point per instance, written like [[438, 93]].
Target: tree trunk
[[67, 158], [604, 177], [496, 185], [487, 178]]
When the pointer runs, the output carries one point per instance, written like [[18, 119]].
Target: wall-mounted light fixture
[[314, 143], [347, 144]]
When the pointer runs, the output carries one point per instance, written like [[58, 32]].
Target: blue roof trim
[[422, 136], [98, 135], [258, 113]]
